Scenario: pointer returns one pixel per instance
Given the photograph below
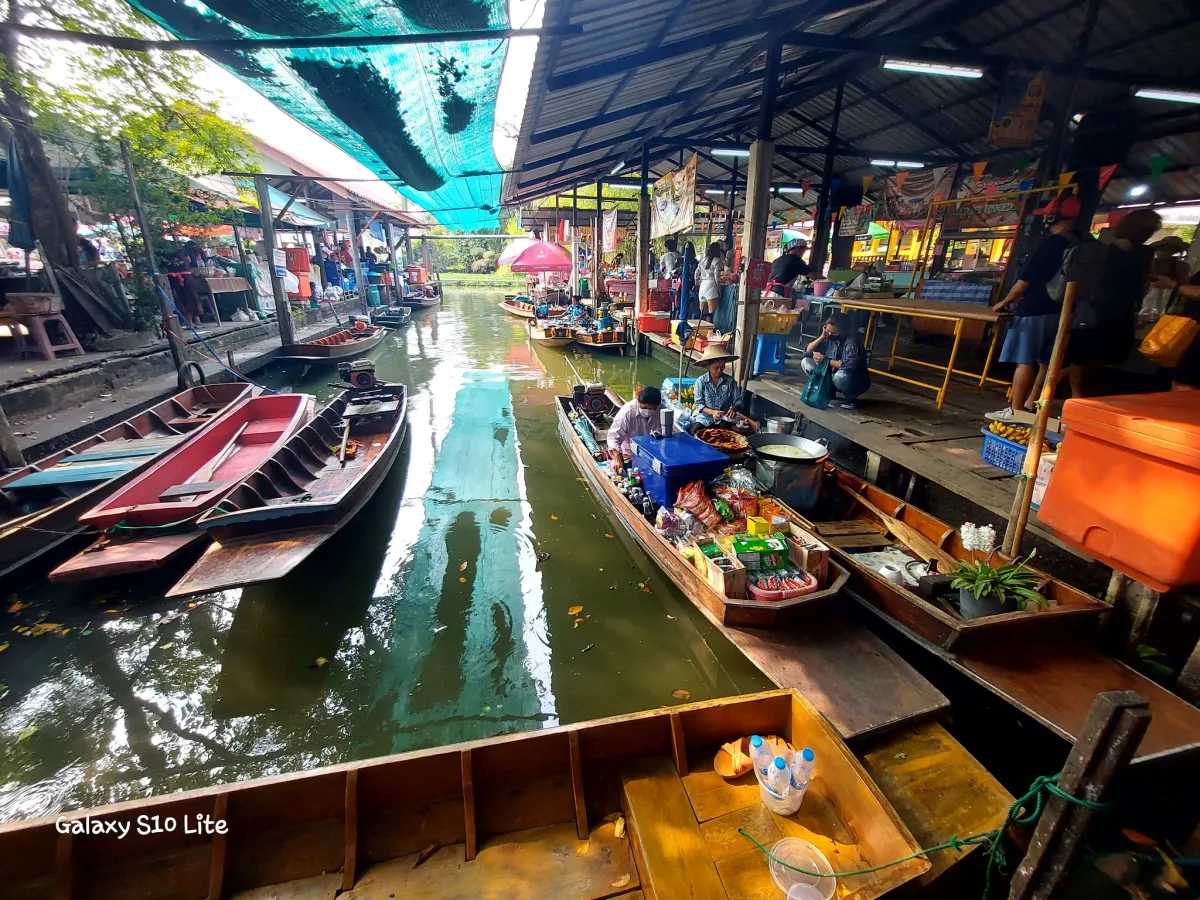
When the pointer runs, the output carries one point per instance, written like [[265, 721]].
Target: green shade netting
[[422, 113]]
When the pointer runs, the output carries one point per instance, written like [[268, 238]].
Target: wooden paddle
[[345, 441], [909, 536]]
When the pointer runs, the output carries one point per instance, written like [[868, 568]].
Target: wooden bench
[[190, 490]]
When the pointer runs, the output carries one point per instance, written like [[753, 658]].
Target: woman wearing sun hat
[[717, 394]]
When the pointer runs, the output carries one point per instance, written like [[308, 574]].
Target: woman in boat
[[636, 417], [577, 312], [717, 394]]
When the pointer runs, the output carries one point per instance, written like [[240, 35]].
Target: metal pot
[[797, 482], [780, 425]]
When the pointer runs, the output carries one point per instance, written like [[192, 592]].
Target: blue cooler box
[[675, 462]]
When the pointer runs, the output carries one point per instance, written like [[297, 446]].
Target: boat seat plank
[[121, 449], [1055, 682], [123, 558], [523, 865], [938, 788], [191, 489], [671, 852], [75, 474], [249, 561], [883, 692]]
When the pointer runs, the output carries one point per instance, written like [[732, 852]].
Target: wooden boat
[[42, 501], [392, 316], [523, 309], [343, 345], [601, 340], [746, 613], [308, 489], [527, 815], [165, 500], [850, 529], [547, 335], [423, 300]]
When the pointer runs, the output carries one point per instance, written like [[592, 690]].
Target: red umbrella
[[542, 257]]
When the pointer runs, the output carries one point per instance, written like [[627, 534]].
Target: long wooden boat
[[851, 529], [744, 613], [392, 316], [523, 309], [165, 500], [547, 335], [337, 347], [422, 301], [627, 806], [594, 340], [298, 499], [42, 501]]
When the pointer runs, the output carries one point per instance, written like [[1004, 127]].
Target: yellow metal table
[[958, 313]]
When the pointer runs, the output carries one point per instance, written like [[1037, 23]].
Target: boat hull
[[1073, 609], [336, 348], [111, 560], [57, 519], [722, 609]]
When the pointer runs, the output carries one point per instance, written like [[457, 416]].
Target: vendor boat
[[721, 594], [549, 334], [345, 344], [618, 806], [42, 501], [307, 490], [521, 307], [867, 527], [152, 519], [392, 316], [607, 339]]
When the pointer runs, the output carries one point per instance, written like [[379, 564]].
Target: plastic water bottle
[[760, 754], [802, 767], [778, 776]]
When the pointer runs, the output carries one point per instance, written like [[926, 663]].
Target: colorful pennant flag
[[805, 185], [901, 177], [1064, 178], [867, 179], [1158, 164], [1106, 175], [979, 168]]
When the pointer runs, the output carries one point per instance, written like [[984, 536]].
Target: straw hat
[[714, 353]]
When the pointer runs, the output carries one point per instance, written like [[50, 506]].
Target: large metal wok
[[814, 452], [797, 482]]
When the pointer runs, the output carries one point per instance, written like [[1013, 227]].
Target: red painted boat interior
[[268, 420]]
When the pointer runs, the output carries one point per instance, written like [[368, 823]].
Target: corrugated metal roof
[[712, 93]]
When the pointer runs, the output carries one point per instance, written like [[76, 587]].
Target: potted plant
[[988, 590]]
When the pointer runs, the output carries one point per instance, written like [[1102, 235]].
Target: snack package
[[694, 498], [668, 523]]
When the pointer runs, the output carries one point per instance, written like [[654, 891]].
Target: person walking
[[1029, 337], [708, 280]]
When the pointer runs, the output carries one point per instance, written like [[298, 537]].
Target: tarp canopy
[[420, 113], [541, 256], [297, 214]]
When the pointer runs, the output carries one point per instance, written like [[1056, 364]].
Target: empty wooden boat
[[337, 347], [42, 501], [152, 519], [692, 576], [393, 317], [852, 529], [309, 488], [627, 806]]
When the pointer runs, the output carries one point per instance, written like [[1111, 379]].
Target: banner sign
[[610, 230], [985, 213], [1018, 108], [910, 196], [280, 260], [673, 201], [856, 220]]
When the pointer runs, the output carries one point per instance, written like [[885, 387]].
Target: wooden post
[[408, 253], [821, 223], [643, 243], [169, 322], [754, 245], [360, 277], [1019, 516], [1110, 737], [283, 311], [729, 211], [574, 241], [390, 231], [598, 244], [241, 251]]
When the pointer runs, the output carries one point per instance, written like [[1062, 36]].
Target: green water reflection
[[439, 614]]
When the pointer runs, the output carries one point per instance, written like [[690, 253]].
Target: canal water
[[441, 613]]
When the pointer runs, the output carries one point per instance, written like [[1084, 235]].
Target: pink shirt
[[628, 423]]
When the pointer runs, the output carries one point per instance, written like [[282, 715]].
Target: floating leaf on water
[[641, 584], [622, 881], [462, 580], [578, 622], [670, 618], [619, 827], [681, 694], [574, 610], [1138, 838], [900, 756], [45, 628], [321, 661], [167, 646], [462, 566], [29, 732], [16, 606], [113, 611], [66, 631], [193, 605], [3, 647], [487, 709], [644, 589], [607, 535], [588, 647], [3, 689], [553, 517], [582, 849]]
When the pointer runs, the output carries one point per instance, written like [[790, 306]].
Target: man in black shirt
[[787, 268]]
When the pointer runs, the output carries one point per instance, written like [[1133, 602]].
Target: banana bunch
[[688, 395], [1018, 434]]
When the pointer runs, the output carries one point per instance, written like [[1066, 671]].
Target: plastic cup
[[803, 855]]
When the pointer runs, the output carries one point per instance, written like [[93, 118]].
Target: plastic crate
[[658, 300], [777, 323], [1008, 455]]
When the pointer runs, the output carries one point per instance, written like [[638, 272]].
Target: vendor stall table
[[224, 285], [958, 313]]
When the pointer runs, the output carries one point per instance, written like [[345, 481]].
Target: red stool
[[36, 325]]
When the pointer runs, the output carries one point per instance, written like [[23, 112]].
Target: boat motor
[[360, 374]]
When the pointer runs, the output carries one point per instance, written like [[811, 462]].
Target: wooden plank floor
[[859, 684]]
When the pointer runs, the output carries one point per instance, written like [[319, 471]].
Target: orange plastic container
[[1126, 487]]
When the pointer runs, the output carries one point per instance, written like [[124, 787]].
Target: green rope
[[121, 526], [1042, 785]]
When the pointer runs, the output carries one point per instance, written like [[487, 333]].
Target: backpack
[[1056, 287], [1087, 264]]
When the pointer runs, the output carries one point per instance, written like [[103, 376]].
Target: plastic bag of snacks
[[745, 502], [668, 523], [694, 498]]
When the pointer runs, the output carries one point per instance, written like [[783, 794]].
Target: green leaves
[[1011, 582]]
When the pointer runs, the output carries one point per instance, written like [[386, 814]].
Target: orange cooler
[[1126, 487]]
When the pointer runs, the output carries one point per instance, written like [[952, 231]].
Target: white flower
[[978, 537]]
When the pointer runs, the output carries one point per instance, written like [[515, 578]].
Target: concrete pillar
[[574, 241], [754, 246], [598, 242], [391, 242], [283, 312], [643, 237]]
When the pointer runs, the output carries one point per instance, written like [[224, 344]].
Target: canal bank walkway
[[52, 403]]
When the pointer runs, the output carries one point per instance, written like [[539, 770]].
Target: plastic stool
[[770, 353], [36, 325]]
